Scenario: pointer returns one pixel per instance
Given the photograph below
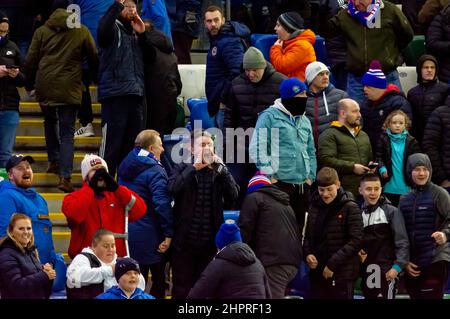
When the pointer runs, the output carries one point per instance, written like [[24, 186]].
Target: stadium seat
[[300, 285], [408, 77], [198, 109], [193, 78], [321, 50], [174, 150], [231, 214], [414, 50]]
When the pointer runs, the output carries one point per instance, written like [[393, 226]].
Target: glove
[[111, 184], [93, 183], [190, 17]]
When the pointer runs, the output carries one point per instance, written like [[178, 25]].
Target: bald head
[[348, 112]]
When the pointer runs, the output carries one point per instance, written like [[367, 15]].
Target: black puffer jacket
[[247, 99], [438, 42], [9, 96], [333, 235], [21, 274], [425, 97], [235, 273], [436, 142], [383, 154], [268, 225]]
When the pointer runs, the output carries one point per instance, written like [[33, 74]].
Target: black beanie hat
[[291, 21]]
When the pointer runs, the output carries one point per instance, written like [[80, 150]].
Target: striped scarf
[[364, 17]]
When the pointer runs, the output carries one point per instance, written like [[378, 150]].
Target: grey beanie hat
[[254, 59]]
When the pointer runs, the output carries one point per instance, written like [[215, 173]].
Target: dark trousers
[[431, 282], [386, 291], [122, 120], [242, 173], [182, 43], [59, 127], [340, 76], [158, 289], [187, 266], [279, 276], [298, 199], [322, 288], [85, 113]]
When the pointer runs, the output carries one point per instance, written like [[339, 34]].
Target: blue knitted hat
[[228, 232], [375, 76], [291, 87]]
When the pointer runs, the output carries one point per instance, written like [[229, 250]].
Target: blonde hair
[[388, 119], [146, 138], [12, 222]]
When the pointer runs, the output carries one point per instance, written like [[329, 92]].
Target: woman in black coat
[[22, 276]]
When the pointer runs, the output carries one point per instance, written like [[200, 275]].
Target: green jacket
[[366, 44], [55, 57], [340, 150]]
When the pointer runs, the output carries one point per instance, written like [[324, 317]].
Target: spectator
[[438, 42], [22, 276], [251, 92], [393, 149], [283, 146], [430, 9], [269, 227], [293, 50], [436, 143], [162, 80], [54, 64], [185, 19], [224, 60], [345, 147], [121, 80], [332, 238], [100, 203], [382, 99], [426, 209], [150, 236], [385, 241], [323, 97], [200, 189], [372, 29], [427, 96], [156, 12], [234, 273], [10, 79], [410, 9], [127, 273], [17, 195], [91, 272]]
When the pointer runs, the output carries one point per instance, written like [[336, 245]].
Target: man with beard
[[282, 146], [345, 147]]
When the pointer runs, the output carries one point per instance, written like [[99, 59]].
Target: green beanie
[[254, 59]]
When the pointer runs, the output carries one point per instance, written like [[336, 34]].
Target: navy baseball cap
[[16, 159]]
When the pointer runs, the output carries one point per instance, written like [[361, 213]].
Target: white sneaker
[[87, 130]]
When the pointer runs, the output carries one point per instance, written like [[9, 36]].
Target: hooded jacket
[[21, 274], [268, 225], [438, 42], [425, 97], [177, 9], [294, 55], [436, 142], [333, 235], [374, 113], [291, 156], [147, 177], [54, 60], [117, 293], [235, 273], [339, 149], [426, 209], [321, 109], [223, 62]]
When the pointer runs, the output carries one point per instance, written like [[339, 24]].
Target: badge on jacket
[[214, 51]]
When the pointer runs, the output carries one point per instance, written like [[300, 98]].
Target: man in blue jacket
[[224, 60], [151, 235]]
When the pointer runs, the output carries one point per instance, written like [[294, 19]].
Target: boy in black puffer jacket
[[332, 239]]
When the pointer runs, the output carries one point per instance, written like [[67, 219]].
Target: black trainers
[[65, 184]]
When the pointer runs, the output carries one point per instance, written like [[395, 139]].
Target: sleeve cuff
[[397, 267], [383, 169]]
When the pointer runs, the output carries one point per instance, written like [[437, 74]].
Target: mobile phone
[[12, 66], [373, 165]]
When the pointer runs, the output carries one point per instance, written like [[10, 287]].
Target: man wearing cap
[[382, 99], [235, 272], [100, 203], [321, 107], [282, 145], [18, 196], [293, 50], [251, 92]]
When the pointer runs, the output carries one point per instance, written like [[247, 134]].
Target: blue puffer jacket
[[224, 62], [117, 293], [177, 9], [148, 178], [14, 199], [121, 71], [91, 12], [155, 10]]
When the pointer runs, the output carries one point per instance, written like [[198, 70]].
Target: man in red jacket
[[100, 203]]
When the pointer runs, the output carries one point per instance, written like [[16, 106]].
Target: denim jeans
[[8, 125], [59, 126], [220, 119], [356, 90]]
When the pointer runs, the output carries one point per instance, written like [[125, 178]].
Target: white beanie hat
[[313, 69], [91, 161]]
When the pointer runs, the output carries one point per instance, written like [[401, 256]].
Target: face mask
[[3, 40], [295, 105]]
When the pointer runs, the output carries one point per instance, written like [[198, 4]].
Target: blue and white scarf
[[364, 17]]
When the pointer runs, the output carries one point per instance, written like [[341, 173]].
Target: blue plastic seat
[[199, 112], [174, 149]]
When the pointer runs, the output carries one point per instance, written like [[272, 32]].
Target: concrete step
[[26, 98], [33, 108], [53, 199], [38, 143], [44, 179], [35, 127], [41, 161], [58, 219], [61, 240]]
